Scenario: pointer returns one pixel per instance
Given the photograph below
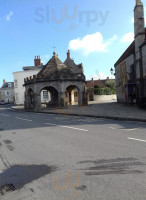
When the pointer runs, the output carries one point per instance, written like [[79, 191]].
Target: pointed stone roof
[[75, 68], [54, 68], [70, 63], [54, 65]]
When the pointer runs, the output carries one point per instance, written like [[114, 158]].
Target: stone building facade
[[65, 83], [130, 69], [7, 92]]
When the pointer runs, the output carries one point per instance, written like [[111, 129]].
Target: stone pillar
[[61, 98], [27, 103], [80, 98], [37, 102], [85, 98]]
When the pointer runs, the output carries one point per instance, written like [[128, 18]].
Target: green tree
[[111, 84], [97, 89]]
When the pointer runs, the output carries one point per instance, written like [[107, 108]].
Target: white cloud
[[91, 43], [99, 76], [9, 15], [132, 20], [127, 38]]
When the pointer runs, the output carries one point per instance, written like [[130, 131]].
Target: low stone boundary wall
[[105, 97]]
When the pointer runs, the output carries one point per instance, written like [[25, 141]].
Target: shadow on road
[[20, 175]]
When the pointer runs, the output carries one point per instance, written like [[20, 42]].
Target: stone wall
[[105, 97], [128, 61]]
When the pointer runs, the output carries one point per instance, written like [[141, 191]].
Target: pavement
[[107, 110]]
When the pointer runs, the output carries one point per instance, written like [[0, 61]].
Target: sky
[[96, 32]]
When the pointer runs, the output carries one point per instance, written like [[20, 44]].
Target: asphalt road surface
[[56, 157]]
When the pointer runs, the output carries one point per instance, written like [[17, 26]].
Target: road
[[56, 157]]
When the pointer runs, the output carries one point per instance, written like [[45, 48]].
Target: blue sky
[[96, 32]]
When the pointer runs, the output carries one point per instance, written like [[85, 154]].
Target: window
[[15, 83], [7, 93], [45, 95]]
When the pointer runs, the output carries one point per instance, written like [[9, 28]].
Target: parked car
[[2, 102]]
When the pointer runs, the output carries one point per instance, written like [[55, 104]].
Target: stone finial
[[68, 54], [54, 53], [138, 2]]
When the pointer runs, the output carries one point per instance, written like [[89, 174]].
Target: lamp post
[[112, 71]]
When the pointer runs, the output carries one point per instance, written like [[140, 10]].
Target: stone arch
[[72, 93], [49, 96]]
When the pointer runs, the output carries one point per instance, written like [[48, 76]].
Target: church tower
[[139, 30]]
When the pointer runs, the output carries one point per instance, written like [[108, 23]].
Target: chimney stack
[[37, 61], [68, 54]]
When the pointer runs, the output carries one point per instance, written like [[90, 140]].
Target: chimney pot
[[4, 81], [37, 61]]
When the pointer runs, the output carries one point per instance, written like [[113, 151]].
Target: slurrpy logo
[[67, 20]]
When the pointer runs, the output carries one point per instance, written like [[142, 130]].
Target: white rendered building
[[19, 80]]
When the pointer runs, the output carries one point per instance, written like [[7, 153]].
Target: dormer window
[[9, 85]]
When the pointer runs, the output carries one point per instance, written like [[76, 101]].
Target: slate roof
[[130, 50], [32, 67]]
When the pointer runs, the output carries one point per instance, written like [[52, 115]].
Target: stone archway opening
[[30, 95], [72, 95], [49, 97]]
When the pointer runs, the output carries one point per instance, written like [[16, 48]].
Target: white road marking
[[5, 115], [74, 128], [136, 139], [112, 128], [128, 129], [24, 119], [59, 118], [66, 127], [122, 129], [51, 124]]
